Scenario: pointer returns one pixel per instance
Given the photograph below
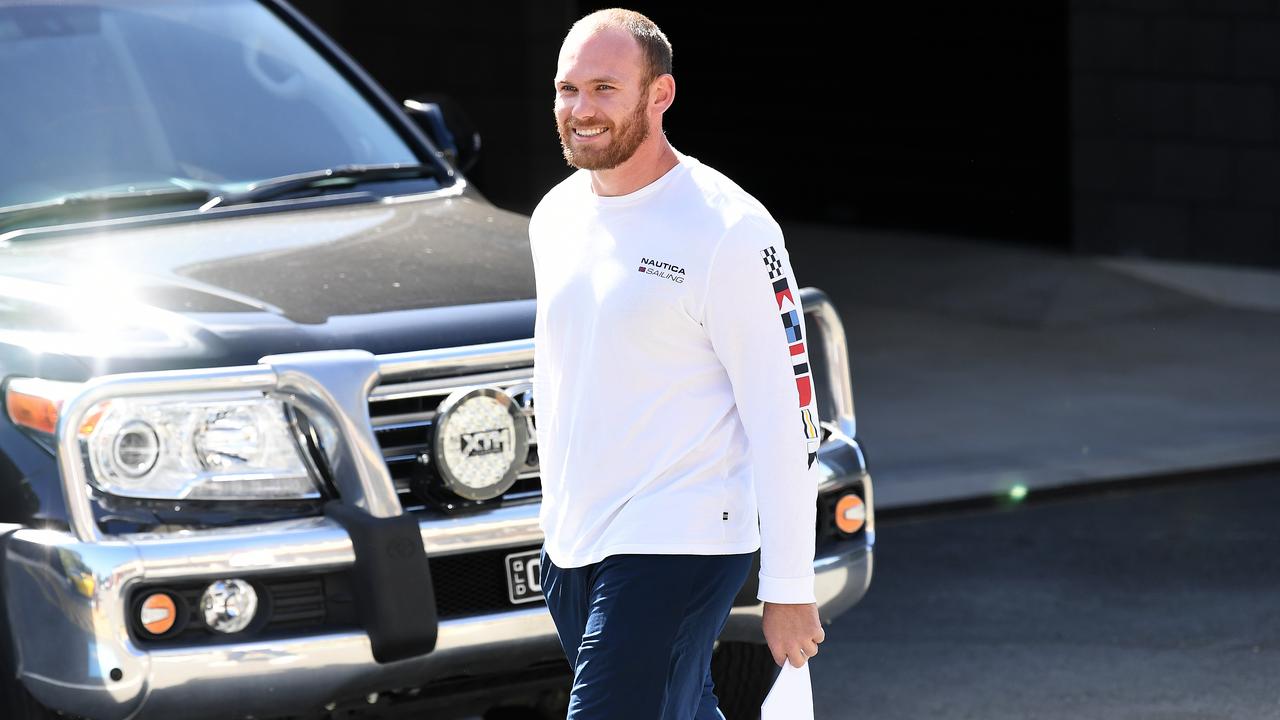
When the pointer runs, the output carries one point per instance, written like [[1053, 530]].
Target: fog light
[[851, 514], [158, 613], [229, 605]]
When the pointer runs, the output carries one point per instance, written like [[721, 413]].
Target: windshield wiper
[[86, 204], [342, 174]]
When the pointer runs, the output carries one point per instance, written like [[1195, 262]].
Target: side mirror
[[449, 128]]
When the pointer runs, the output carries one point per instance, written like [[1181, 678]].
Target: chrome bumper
[[67, 604]]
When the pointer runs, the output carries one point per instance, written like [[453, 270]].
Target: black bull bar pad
[[391, 582]]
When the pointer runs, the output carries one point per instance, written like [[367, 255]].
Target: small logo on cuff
[[662, 269]]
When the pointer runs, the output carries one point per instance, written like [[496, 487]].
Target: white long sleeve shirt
[[674, 407]]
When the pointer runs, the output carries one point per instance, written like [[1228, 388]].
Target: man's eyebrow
[[606, 79]]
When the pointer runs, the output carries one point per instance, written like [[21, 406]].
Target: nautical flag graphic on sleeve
[[780, 290], [773, 264], [791, 321], [789, 310], [810, 427]]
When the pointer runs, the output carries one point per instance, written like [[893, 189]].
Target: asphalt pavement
[[1149, 603]]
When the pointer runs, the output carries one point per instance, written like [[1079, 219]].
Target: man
[[676, 423]]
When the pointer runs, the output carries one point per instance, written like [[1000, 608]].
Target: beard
[[607, 155]]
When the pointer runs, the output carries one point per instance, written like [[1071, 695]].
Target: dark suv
[[269, 444]]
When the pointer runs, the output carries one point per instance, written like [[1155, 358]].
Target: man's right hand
[[793, 631]]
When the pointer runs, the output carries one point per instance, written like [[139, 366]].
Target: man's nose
[[582, 107]]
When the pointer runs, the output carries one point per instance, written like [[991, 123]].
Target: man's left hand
[[792, 631]]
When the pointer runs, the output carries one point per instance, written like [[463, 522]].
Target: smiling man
[[676, 420]]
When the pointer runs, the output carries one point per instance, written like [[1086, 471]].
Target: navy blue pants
[[638, 631]]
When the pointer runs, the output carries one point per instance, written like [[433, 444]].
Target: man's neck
[[643, 167]]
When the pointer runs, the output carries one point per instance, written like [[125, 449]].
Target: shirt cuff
[[787, 590]]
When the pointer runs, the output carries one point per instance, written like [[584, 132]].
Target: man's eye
[[604, 86]]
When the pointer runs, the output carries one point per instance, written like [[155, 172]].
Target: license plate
[[524, 576]]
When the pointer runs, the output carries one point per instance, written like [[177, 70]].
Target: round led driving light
[[229, 605], [480, 442], [851, 514], [136, 448]]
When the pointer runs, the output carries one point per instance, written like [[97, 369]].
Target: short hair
[[654, 46]]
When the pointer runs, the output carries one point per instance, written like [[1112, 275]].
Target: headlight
[[198, 447]]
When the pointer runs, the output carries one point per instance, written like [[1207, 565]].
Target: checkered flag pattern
[[772, 262]]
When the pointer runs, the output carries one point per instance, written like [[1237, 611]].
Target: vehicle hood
[[384, 277]]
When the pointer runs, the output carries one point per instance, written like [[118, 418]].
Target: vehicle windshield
[[213, 95]]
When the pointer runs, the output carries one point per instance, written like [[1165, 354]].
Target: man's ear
[[663, 91]]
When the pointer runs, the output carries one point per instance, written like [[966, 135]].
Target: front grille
[[403, 416], [474, 583]]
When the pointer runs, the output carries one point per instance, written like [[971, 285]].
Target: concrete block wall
[[1175, 129]]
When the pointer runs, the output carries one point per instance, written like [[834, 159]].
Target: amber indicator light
[[41, 413], [851, 514], [34, 412], [158, 613]]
